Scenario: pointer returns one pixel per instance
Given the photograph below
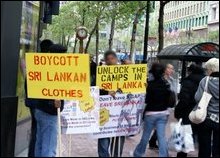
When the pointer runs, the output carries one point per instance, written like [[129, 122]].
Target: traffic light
[[51, 8]]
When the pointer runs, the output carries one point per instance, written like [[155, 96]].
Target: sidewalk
[[83, 146]]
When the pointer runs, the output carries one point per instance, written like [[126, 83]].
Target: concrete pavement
[[84, 146]]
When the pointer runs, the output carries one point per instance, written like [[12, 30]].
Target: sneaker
[[153, 147]]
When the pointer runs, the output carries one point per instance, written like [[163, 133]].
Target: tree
[[96, 12], [160, 28], [119, 13], [214, 36], [139, 11], [64, 25]]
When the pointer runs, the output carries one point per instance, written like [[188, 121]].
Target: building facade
[[213, 21], [185, 21], [213, 18], [186, 14]]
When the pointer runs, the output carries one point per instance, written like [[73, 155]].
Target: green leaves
[[77, 13]]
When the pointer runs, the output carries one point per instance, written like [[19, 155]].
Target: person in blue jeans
[[46, 118], [156, 111]]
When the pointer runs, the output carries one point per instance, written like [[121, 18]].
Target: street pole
[[81, 46], [146, 32]]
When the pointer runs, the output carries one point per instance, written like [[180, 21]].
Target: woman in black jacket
[[186, 97], [156, 111]]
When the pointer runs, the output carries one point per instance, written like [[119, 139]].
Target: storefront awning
[[190, 52]]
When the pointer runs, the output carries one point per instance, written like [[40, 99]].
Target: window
[[103, 35], [197, 8], [183, 12], [194, 9], [204, 4], [200, 7], [206, 19], [203, 20], [196, 22], [188, 11], [193, 22], [191, 10], [199, 21], [213, 14]]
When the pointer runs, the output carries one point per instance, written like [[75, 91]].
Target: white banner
[[120, 116], [81, 116]]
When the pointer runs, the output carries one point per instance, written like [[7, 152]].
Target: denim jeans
[[46, 138], [31, 148], [151, 122], [105, 146]]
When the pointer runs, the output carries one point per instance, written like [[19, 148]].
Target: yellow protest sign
[[87, 105], [58, 76], [104, 116], [129, 78]]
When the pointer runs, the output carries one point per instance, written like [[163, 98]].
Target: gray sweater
[[213, 89]]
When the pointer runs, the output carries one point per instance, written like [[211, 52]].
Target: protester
[[168, 76], [126, 62], [106, 144], [46, 117], [156, 111], [44, 47], [186, 98], [93, 67], [208, 131]]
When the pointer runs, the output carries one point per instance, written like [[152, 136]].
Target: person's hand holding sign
[[57, 103], [112, 93]]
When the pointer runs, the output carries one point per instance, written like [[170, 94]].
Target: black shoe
[[153, 147]]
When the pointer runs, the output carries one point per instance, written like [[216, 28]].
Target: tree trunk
[[146, 32], [63, 39], [75, 43], [89, 38], [112, 32], [97, 40], [134, 32], [160, 28], [68, 40]]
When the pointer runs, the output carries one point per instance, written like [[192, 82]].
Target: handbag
[[181, 139], [175, 142], [198, 115]]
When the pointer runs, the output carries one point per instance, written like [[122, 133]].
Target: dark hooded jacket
[[186, 96]]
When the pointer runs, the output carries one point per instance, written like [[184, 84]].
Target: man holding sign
[[124, 78], [52, 77], [104, 144]]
